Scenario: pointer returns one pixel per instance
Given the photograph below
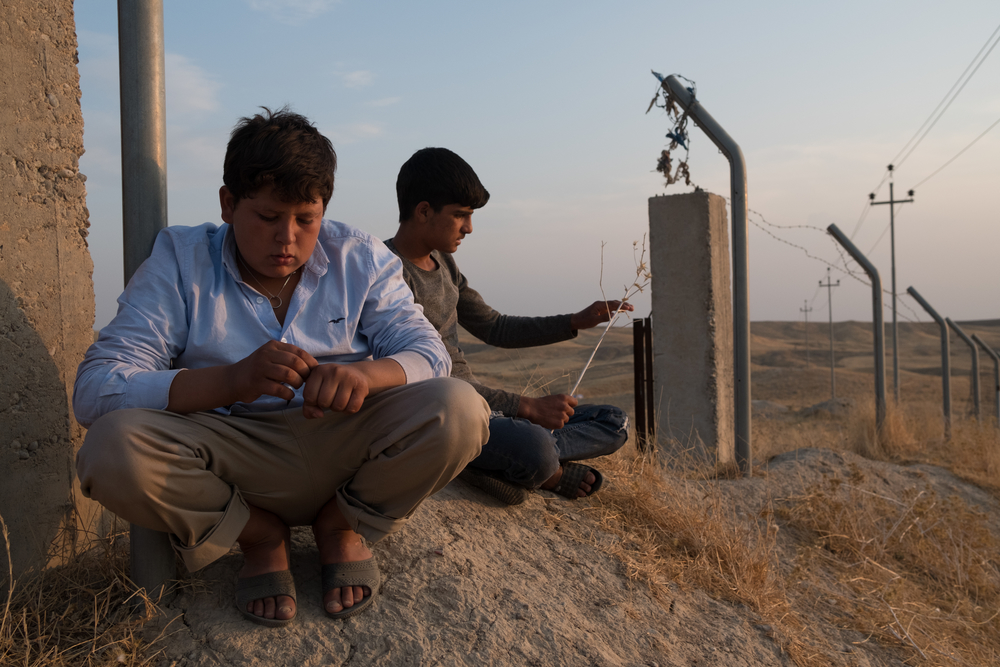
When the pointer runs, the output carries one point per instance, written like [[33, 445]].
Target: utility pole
[[829, 298], [806, 309], [892, 241]]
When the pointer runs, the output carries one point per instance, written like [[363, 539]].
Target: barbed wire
[[846, 270]]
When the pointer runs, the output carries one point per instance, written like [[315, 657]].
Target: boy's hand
[[337, 387], [550, 412], [272, 366], [597, 312]]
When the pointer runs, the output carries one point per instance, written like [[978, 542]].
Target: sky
[[547, 102]]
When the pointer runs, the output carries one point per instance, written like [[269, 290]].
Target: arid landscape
[[845, 547]]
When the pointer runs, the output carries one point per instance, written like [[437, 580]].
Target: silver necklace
[[271, 297]]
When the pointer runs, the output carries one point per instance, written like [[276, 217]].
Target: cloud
[[384, 102], [357, 79], [189, 87], [349, 134], [292, 12]]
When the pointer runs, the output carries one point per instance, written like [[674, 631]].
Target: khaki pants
[[193, 475]]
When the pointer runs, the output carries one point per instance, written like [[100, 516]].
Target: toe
[[333, 602], [286, 608], [268, 607], [258, 607]]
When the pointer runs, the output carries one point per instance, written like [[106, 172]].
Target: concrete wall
[[692, 326], [46, 288]]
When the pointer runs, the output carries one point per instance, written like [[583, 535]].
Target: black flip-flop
[[490, 482], [573, 474]]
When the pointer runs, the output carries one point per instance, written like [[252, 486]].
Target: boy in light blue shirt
[[272, 372]]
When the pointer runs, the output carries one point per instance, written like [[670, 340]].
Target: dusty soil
[[472, 582]]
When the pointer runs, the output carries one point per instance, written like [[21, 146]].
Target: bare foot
[[265, 543], [338, 543], [585, 485]]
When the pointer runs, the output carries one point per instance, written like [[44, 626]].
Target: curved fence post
[[975, 366], [741, 293], [996, 372], [878, 324], [945, 358]]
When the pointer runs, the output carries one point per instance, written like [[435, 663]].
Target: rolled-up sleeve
[[129, 364]]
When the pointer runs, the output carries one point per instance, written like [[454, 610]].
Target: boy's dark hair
[[438, 177], [283, 149]]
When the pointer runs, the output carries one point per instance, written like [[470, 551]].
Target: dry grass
[[920, 572], [85, 613], [684, 533]]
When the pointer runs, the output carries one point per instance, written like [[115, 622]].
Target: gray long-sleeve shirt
[[448, 301]]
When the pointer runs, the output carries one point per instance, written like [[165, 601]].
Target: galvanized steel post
[[996, 372], [945, 358], [877, 322], [144, 205], [741, 292], [975, 366]]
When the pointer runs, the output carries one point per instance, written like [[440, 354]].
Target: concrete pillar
[[692, 326], [46, 291]]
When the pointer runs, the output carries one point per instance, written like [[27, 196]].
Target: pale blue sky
[[546, 100]]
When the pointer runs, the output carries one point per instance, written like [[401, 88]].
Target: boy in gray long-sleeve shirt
[[532, 440]]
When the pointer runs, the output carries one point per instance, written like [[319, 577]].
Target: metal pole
[[806, 309], [144, 206], [647, 335], [638, 372], [829, 298], [144, 127], [741, 291], [945, 358], [996, 372], [877, 322], [975, 366], [895, 322]]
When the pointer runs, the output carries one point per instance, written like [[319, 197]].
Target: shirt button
[[284, 340], [260, 299]]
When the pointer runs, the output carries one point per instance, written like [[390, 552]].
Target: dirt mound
[[471, 582]]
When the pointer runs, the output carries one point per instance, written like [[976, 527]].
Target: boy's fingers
[[280, 391], [311, 412]]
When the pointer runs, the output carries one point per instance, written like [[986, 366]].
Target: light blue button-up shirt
[[188, 307]]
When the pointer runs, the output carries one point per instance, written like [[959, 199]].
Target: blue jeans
[[528, 454]]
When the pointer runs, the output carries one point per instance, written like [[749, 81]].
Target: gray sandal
[[358, 573], [573, 474], [268, 585], [490, 482]]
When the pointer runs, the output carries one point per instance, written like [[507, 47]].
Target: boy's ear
[[227, 202], [422, 211]]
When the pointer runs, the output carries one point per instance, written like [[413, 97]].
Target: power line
[[995, 123], [881, 236], [864, 214], [933, 118], [933, 122]]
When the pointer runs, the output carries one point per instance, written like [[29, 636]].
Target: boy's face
[[274, 237], [444, 230]]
